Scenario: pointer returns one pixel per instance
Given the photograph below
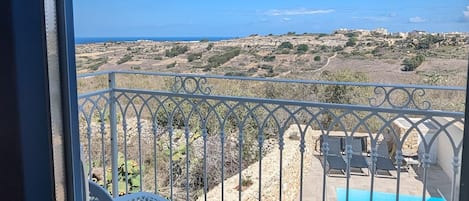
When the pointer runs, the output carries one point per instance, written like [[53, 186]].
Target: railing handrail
[[278, 80], [299, 103]]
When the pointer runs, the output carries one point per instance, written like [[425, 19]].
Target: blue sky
[[182, 18]]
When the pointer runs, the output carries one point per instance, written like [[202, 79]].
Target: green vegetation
[[203, 40], [158, 58], [410, 64], [351, 42], [209, 46], [176, 50], [352, 35], [218, 60], [124, 59], [317, 58], [285, 45], [171, 65], [268, 58], [239, 74], [302, 48], [135, 67], [129, 169], [266, 67], [97, 63], [194, 56]]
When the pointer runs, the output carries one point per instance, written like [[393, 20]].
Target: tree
[[286, 45], [317, 58], [410, 64], [302, 48], [351, 42]]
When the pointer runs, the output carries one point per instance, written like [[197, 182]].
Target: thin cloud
[[373, 18], [300, 11], [417, 19], [466, 14]]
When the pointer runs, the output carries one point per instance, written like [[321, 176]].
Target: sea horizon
[[89, 40]]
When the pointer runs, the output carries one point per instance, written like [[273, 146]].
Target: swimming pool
[[363, 195]]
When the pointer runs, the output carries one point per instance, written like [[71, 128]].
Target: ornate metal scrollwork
[[191, 85], [399, 97]]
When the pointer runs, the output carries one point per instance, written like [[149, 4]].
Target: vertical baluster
[[374, 158], [325, 149], [113, 129], [455, 174], [260, 141], [240, 141], [302, 151], [425, 165], [348, 154], [88, 133], [222, 139], [102, 131], [126, 172], [139, 131], [204, 136], [170, 130], [186, 135], [281, 143], [155, 171], [399, 159]]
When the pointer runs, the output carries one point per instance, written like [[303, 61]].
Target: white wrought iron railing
[[184, 136]]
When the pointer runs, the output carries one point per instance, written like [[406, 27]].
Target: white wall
[[445, 149]]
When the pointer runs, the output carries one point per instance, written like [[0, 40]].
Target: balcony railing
[[200, 137]]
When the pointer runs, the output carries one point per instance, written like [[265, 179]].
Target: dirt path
[[327, 63]]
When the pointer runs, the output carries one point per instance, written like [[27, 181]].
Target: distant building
[[381, 31], [417, 33]]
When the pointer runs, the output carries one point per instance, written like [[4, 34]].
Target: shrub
[[124, 59], [195, 56], [351, 35], [158, 58], [266, 67], [239, 74], [351, 42], [135, 67], [268, 58], [177, 50], [337, 48], [218, 60], [209, 46], [286, 45], [322, 34], [317, 58], [302, 48], [252, 70], [99, 62], [203, 40], [171, 65], [410, 64]]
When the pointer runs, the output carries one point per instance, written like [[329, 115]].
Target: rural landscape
[[412, 58], [363, 56]]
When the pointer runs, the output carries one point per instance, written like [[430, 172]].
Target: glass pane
[[276, 100]]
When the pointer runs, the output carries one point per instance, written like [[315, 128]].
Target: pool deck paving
[[410, 182]]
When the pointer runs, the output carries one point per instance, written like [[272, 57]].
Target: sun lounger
[[358, 160], [334, 157], [384, 162]]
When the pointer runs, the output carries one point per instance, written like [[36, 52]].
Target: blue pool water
[[362, 195]]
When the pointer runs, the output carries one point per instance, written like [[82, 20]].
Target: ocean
[[87, 40]]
